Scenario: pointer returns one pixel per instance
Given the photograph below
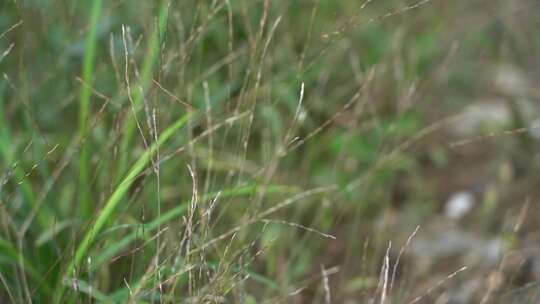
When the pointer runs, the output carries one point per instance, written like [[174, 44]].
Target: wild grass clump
[[223, 151]]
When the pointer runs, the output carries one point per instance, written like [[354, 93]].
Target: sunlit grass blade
[[85, 202], [106, 213]]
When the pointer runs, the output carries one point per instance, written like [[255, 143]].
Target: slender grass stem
[[85, 204]]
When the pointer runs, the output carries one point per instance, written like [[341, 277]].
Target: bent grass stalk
[[85, 93], [111, 204]]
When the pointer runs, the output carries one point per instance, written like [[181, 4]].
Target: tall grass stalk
[[85, 203]]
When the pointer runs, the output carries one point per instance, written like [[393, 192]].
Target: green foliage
[[190, 151]]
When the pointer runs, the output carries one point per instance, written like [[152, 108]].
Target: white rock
[[459, 204]]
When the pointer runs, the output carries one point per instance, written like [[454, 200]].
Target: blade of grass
[[115, 248], [48, 234], [85, 204], [106, 213]]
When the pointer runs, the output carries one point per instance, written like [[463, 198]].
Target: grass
[[106, 213], [136, 97], [263, 151], [87, 77]]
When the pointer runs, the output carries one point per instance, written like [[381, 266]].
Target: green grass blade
[[50, 233], [85, 204], [115, 248], [119, 193]]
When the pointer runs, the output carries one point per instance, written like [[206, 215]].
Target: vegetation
[[269, 151]]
